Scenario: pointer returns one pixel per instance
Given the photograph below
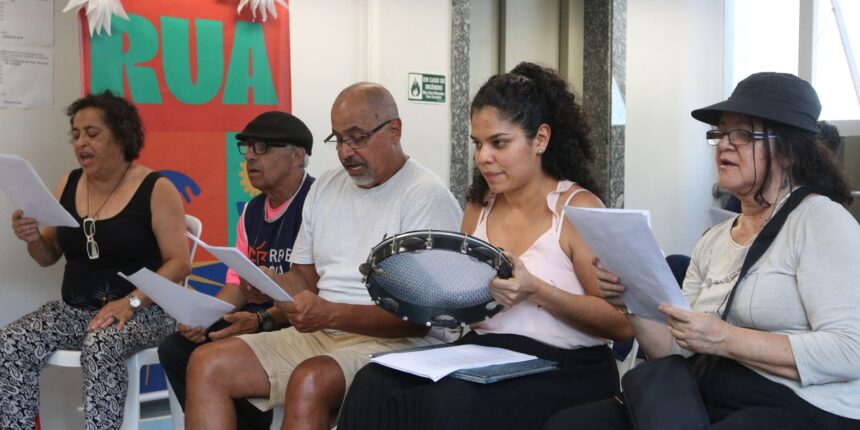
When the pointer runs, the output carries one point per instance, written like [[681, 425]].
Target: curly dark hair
[[531, 95], [121, 117], [811, 163]]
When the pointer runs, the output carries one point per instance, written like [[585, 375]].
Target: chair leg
[[176, 413], [131, 417]]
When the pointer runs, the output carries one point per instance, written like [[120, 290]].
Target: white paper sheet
[[185, 305], [27, 22], [26, 77], [623, 242], [436, 363], [717, 215], [26, 191], [246, 269]]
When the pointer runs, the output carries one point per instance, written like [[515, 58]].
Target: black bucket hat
[[777, 97], [278, 127]]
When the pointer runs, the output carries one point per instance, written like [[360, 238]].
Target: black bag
[[663, 394]]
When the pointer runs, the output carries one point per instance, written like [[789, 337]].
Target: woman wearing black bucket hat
[[786, 354]]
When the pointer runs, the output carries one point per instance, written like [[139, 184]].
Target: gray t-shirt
[[806, 286], [341, 222]]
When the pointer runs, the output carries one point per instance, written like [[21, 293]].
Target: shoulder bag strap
[[765, 238]]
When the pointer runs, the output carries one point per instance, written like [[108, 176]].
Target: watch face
[[134, 301]]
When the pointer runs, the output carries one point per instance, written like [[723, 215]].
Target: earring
[[540, 152]]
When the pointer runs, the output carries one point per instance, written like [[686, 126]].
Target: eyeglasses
[[355, 142], [90, 233], [737, 137], [260, 147]]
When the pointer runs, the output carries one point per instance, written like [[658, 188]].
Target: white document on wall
[[26, 191], [186, 305], [246, 269], [436, 363], [624, 244], [27, 22], [718, 215], [26, 77]]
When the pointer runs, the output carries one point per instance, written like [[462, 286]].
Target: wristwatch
[[134, 302], [267, 323]]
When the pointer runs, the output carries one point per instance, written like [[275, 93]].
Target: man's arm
[[308, 312]]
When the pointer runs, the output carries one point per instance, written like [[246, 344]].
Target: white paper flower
[[99, 13], [263, 6]]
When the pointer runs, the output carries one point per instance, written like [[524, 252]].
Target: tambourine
[[434, 277]]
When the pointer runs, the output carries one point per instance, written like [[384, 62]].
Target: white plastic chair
[[131, 417]]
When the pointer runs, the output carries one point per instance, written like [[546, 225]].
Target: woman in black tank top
[[130, 218]]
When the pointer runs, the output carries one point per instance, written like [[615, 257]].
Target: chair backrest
[[195, 227]]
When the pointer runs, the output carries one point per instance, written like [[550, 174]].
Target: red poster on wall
[[198, 72]]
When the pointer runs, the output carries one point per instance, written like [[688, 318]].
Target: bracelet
[[623, 310]]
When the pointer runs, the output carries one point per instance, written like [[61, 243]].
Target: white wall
[[40, 136], [334, 43], [674, 65]]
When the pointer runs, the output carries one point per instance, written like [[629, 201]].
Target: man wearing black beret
[[276, 146]]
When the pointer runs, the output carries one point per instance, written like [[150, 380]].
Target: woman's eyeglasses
[[90, 233], [737, 137]]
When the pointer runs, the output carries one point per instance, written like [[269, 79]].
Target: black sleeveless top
[[126, 244]]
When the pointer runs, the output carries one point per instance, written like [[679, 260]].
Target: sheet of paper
[[27, 22], [717, 215], [436, 363], [26, 191], [623, 242], [246, 269], [186, 305], [26, 77]]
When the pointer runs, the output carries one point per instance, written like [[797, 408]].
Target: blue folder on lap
[[500, 372]]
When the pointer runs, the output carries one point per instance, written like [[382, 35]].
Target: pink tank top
[[546, 260]]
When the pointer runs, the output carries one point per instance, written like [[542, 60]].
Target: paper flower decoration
[[263, 6], [99, 13]]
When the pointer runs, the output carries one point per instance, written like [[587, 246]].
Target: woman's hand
[[519, 287], [25, 228], [118, 311], [697, 331], [609, 285]]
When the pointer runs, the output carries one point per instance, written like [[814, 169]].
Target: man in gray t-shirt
[[335, 327]]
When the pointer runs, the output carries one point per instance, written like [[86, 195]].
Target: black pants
[[735, 397], [381, 398], [174, 354]]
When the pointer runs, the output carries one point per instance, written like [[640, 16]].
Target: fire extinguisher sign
[[426, 88]]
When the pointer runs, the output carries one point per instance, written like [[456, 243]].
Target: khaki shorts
[[279, 352]]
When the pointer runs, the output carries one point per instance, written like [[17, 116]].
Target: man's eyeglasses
[[355, 142], [260, 147], [737, 137]]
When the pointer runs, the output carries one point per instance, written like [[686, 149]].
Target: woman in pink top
[[533, 155]]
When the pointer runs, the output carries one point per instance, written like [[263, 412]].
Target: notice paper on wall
[[27, 22], [622, 241], [26, 191], [26, 77]]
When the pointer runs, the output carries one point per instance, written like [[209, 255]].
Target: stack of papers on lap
[[623, 242], [27, 192], [185, 305], [436, 363]]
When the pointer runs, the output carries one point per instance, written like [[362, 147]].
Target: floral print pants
[[26, 345]]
